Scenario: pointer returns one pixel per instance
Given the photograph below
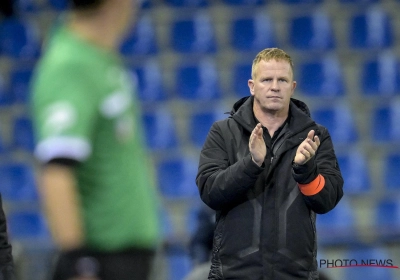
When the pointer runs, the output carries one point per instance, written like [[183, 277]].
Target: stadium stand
[[339, 120], [387, 219], [160, 129], [192, 60], [19, 38], [355, 172], [199, 81], [391, 174], [252, 33], [321, 77], [150, 81], [385, 127], [385, 70], [141, 39], [194, 35], [366, 254], [312, 32], [371, 29]]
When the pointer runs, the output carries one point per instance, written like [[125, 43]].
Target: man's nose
[[275, 85]]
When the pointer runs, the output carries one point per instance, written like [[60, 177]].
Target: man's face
[[272, 87]]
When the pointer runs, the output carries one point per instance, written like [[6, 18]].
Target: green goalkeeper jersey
[[84, 108]]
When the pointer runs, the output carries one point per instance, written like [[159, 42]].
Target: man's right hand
[[257, 147]]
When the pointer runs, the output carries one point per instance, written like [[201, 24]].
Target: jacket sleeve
[[221, 183], [320, 179]]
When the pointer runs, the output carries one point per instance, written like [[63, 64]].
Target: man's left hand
[[307, 148]]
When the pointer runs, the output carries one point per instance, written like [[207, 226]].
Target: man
[[96, 185], [267, 170]]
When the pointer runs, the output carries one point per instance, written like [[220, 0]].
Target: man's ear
[[250, 83], [293, 87]]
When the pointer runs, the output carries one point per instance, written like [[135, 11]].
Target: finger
[[310, 134], [316, 140], [313, 145], [258, 130], [305, 153], [310, 150]]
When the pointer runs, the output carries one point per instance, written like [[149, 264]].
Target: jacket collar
[[242, 112]]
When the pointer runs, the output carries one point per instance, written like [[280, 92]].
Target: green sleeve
[[65, 107]]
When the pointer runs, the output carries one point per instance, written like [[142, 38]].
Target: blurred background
[[192, 59]]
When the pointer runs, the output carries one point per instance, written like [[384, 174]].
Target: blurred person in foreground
[[96, 183], [267, 170]]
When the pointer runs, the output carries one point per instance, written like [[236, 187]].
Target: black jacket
[[265, 227], [6, 259]]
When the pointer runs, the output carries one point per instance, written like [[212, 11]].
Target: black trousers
[[132, 264]]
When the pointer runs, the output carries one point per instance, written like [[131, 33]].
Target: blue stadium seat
[[313, 32], [58, 5], [167, 227], [19, 38], [355, 172], [179, 264], [27, 225], [6, 97], [141, 39], [195, 35], [381, 76], [387, 219], [371, 30], [198, 215], [3, 148], [339, 121], [19, 84], [366, 254], [160, 129], [252, 33], [26, 6], [360, 1], [321, 77], [385, 125], [244, 2], [200, 124], [198, 81], [338, 226], [241, 73], [391, 172], [17, 182], [302, 1], [176, 177], [145, 4], [150, 81], [22, 134], [188, 3]]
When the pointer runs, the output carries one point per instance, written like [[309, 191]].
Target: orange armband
[[313, 187]]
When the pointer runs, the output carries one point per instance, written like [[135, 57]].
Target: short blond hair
[[269, 54]]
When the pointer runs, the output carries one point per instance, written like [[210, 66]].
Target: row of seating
[[370, 29], [161, 125], [200, 80], [28, 227], [177, 177], [336, 228], [60, 5]]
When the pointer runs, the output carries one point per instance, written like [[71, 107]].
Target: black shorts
[[132, 264]]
